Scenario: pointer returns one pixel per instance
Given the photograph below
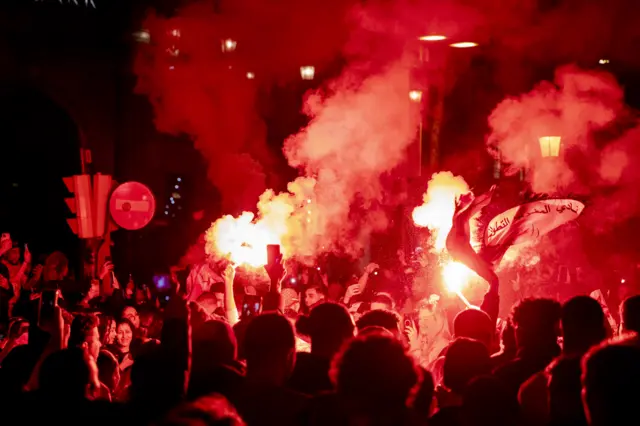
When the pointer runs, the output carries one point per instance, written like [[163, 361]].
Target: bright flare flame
[[241, 239], [436, 213], [456, 276], [282, 219]]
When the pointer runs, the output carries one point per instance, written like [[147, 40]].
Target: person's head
[[269, 345], [148, 323], [140, 296], [328, 325], [210, 301], [214, 344], [536, 322], [13, 255], [210, 410], [130, 313], [84, 334], [474, 324], [314, 294], [487, 402], [124, 334], [388, 320], [382, 301], [107, 329], [70, 374], [431, 319], [630, 314], [108, 370], [583, 324], [374, 375], [465, 360], [610, 377], [56, 267]]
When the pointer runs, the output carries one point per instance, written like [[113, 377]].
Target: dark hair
[[465, 360], [328, 325], [213, 344], [536, 320], [630, 313], [610, 377], [386, 319], [383, 298], [104, 325], [55, 263], [318, 287], [583, 323], [210, 410], [474, 324], [81, 328], [127, 322], [65, 374], [269, 338], [374, 373]]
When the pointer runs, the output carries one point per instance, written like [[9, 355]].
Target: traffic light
[[81, 204], [89, 204]]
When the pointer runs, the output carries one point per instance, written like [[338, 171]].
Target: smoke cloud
[[599, 142]]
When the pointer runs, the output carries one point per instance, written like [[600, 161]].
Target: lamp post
[[229, 45], [415, 95], [550, 146], [307, 72]]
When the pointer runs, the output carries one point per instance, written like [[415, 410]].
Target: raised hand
[[107, 268]]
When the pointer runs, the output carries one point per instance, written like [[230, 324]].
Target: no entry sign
[[132, 205]]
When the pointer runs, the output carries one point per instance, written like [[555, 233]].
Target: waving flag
[[524, 223]]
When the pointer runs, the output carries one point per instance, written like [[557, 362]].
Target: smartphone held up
[[274, 255]]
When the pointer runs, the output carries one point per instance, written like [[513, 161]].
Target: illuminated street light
[[229, 45], [432, 37], [415, 95], [250, 75], [603, 61], [463, 44], [550, 146], [307, 72], [142, 36]]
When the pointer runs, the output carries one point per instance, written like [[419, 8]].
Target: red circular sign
[[132, 205]]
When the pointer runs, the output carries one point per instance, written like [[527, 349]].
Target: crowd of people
[[315, 353]]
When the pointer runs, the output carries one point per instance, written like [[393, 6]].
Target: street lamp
[[432, 37], [142, 36], [415, 95], [307, 72], [464, 44], [229, 45], [250, 75], [550, 146]]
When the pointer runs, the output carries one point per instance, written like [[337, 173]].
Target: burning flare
[[288, 219], [436, 214], [241, 239]]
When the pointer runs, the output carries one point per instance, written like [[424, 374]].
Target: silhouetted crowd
[[313, 353]]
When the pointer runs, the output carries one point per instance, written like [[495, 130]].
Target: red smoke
[[600, 145]]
